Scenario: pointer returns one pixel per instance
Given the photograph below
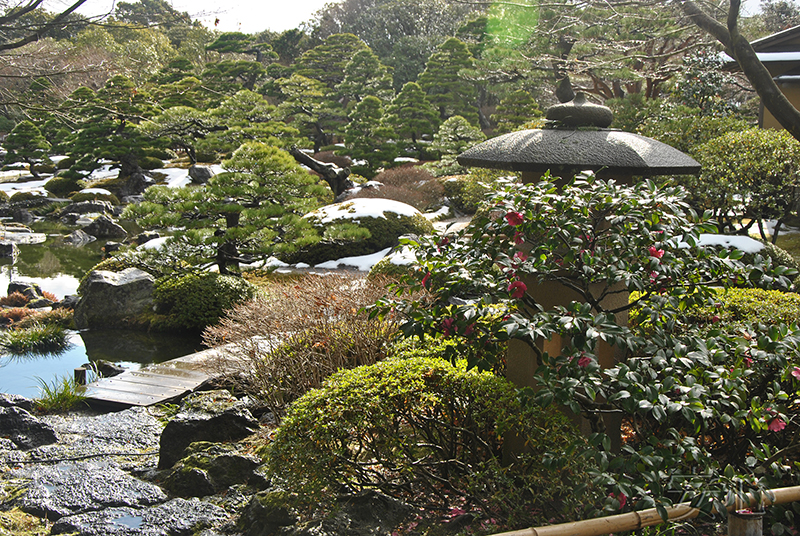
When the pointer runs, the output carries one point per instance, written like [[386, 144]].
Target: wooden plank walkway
[[154, 384]]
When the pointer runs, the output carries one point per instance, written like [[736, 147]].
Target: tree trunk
[[336, 177], [740, 49]]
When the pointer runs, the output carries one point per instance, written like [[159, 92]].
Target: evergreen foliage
[[26, 144], [455, 136], [367, 138], [252, 210], [365, 75], [515, 111], [412, 115], [446, 89]]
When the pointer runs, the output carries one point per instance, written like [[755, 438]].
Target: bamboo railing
[[645, 518]]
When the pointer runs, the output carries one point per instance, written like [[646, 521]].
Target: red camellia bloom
[[517, 289], [584, 361], [776, 425], [448, 326], [514, 218], [655, 252]]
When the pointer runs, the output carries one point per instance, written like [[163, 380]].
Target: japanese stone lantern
[[576, 139]]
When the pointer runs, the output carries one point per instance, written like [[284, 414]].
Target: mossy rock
[[267, 512], [208, 468], [66, 163], [44, 168], [346, 234]]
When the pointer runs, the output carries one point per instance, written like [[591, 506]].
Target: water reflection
[[130, 349], [57, 267]]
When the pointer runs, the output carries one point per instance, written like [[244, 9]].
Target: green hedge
[[421, 429], [195, 301]]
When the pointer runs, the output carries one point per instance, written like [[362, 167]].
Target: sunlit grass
[[58, 396], [36, 339]]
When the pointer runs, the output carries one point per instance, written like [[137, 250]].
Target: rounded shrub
[[195, 301], [425, 431], [351, 237], [466, 193], [386, 268]]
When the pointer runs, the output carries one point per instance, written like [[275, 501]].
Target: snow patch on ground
[[743, 243]]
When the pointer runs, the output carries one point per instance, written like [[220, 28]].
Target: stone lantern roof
[[576, 139]]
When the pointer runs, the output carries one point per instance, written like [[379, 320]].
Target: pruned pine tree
[[26, 144], [367, 138], [252, 210], [412, 115], [446, 89]]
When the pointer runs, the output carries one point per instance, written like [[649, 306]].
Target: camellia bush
[[706, 416]]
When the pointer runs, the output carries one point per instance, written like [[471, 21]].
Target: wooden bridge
[[156, 383]]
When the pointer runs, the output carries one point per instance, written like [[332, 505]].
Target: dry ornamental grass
[[288, 340]]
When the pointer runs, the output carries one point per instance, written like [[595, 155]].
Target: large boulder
[[200, 174], [213, 416], [114, 299], [105, 227], [25, 430], [79, 238], [71, 488], [177, 517]]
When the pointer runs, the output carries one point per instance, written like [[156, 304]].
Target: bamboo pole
[[645, 518]]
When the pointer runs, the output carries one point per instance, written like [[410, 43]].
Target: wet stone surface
[[86, 483], [176, 517]]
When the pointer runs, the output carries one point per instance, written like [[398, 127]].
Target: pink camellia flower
[[514, 218], [620, 497], [796, 372], [448, 326], [517, 289], [776, 425], [584, 361], [426, 280], [520, 256], [655, 252], [518, 238]]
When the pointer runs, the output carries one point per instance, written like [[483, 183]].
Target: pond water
[[57, 268]]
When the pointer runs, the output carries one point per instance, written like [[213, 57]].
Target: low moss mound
[[353, 237], [95, 196]]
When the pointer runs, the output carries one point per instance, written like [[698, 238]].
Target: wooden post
[[80, 376]]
